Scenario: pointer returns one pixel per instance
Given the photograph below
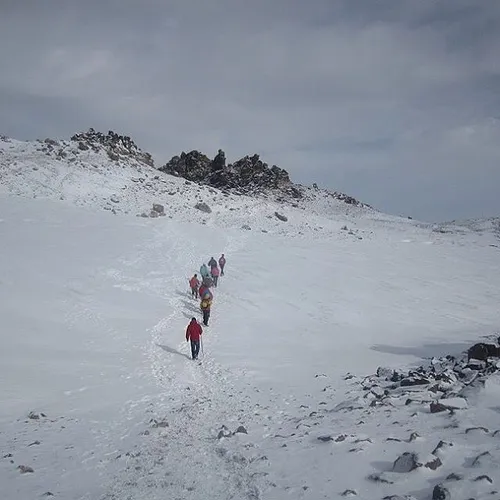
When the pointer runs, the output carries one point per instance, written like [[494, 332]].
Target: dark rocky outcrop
[[483, 351], [248, 175]]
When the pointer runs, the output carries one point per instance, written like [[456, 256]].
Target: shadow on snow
[[171, 350]]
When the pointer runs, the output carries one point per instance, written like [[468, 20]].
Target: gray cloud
[[396, 103]]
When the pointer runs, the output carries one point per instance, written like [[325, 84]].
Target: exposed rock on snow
[[406, 463], [159, 209], [434, 464], [203, 207], [117, 146], [25, 469], [249, 175], [440, 493], [349, 493]]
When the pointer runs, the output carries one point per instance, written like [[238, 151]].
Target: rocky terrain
[[109, 171], [248, 175]]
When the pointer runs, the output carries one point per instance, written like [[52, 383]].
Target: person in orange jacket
[[194, 283], [193, 334]]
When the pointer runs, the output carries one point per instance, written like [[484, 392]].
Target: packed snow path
[[94, 312]]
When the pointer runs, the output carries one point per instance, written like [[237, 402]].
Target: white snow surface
[[94, 308]]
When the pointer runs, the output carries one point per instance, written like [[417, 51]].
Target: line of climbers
[[202, 291]]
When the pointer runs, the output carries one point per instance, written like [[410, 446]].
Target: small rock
[[280, 217], [437, 407], [48, 494], [33, 416], [241, 430], [413, 437], [349, 493], [160, 209], [114, 198], [441, 446], [454, 477], [224, 432], [406, 463], [484, 477], [325, 439], [440, 493], [480, 458], [379, 478], [34, 443], [203, 207], [155, 424], [383, 372], [25, 469], [399, 497], [411, 381], [434, 464], [246, 227], [470, 429]]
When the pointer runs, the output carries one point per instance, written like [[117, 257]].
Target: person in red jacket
[[194, 283], [193, 334]]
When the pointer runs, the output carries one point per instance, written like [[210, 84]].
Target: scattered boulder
[[224, 432], [454, 477], [349, 493], [484, 477], [379, 478], [155, 424], [385, 373], [325, 439], [481, 459], [483, 351], [441, 447], [159, 209], [437, 407], [434, 464], [203, 207], [25, 469], [406, 463], [281, 217], [440, 493], [114, 198], [240, 430]]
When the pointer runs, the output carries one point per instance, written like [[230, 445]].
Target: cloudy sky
[[396, 102]]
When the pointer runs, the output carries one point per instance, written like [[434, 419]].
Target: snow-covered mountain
[[317, 378], [110, 172]]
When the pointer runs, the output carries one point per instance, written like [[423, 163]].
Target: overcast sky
[[395, 102]]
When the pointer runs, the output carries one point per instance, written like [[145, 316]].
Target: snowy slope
[[59, 170], [94, 308]]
